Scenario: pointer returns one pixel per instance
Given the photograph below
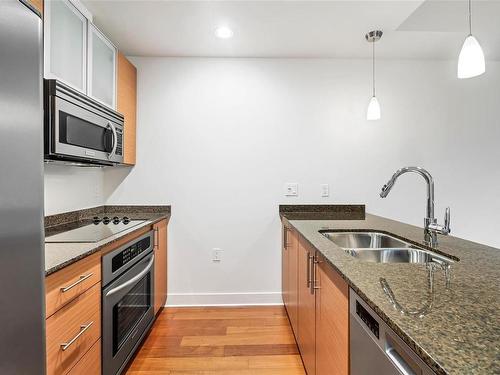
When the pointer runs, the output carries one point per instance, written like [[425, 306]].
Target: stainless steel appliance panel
[[375, 348], [22, 309], [127, 301], [79, 128]]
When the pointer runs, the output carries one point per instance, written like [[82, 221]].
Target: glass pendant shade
[[471, 59], [373, 111]]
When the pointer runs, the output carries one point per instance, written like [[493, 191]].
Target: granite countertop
[[460, 331], [60, 255]]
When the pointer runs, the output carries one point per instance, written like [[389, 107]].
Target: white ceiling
[[413, 29]]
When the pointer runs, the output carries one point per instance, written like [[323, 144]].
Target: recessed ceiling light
[[223, 32]]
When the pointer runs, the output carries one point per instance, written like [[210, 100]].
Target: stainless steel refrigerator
[[22, 333]]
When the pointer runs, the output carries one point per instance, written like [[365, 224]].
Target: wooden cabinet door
[[285, 261], [38, 4], [306, 337], [76, 326], [289, 275], [293, 274], [126, 104], [90, 364], [160, 292], [332, 322]]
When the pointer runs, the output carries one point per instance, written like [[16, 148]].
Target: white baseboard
[[224, 299]]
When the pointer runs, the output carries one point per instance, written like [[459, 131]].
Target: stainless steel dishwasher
[[377, 349]]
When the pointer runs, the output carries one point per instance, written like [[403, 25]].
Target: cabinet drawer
[[90, 364], [63, 286], [72, 331]]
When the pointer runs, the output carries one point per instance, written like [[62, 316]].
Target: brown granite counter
[[60, 255], [459, 333]]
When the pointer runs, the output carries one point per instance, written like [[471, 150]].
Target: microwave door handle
[[133, 279], [115, 140]]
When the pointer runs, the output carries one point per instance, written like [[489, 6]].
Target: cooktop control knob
[[106, 220], [96, 220], [126, 220], [116, 220]]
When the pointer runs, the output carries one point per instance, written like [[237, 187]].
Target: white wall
[[69, 188], [218, 138]]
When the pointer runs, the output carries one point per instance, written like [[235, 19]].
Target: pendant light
[[471, 59], [373, 111]]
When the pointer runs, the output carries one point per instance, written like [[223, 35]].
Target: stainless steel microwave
[[80, 129]]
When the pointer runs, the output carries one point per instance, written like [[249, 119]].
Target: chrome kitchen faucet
[[431, 227]]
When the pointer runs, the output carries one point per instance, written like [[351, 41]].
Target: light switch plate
[[325, 190], [291, 189], [216, 254]]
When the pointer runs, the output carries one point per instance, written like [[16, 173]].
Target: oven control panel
[[128, 254]]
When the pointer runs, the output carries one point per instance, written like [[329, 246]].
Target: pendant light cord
[[470, 18], [373, 67]]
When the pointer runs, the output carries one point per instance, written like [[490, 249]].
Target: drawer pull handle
[[156, 234], [80, 280], [83, 328]]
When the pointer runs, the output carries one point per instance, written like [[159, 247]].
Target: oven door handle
[[133, 279], [115, 140]]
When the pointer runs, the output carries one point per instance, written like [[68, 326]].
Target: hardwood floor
[[222, 340]]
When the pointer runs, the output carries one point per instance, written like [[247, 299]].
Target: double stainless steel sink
[[382, 248]]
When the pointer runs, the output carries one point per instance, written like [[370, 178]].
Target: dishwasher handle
[[399, 357], [399, 362]]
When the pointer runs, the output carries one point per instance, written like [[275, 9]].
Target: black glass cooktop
[[93, 230]]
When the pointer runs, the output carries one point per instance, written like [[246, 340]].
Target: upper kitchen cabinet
[[126, 104], [77, 53], [65, 39], [37, 4], [80, 55], [101, 67]]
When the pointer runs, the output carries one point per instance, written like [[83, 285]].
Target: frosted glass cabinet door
[[102, 67], [65, 43]]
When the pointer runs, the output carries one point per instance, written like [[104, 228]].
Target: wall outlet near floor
[[325, 190], [291, 189], [216, 254]]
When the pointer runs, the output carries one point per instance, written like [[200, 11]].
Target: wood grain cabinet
[[285, 265], [72, 331], [38, 5], [65, 285], [160, 293], [289, 274], [73, 313], [127, 105], [90, 364], [322, 307], [332, 321], [306, 337]]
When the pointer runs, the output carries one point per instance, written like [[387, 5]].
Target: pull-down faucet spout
[[430, 223]]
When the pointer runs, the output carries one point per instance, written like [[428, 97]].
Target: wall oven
[[80, 129], [127, 301]]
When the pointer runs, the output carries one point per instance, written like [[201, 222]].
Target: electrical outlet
[[325, 190], [291, 189], [216, 254]]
